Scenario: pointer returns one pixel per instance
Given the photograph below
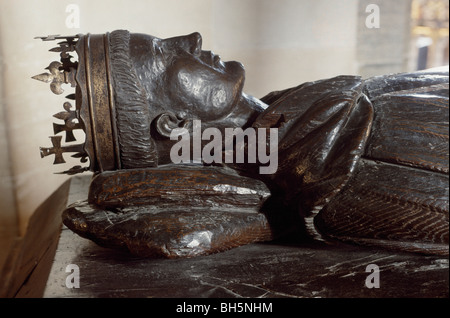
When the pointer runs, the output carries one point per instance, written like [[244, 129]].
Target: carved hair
[[137, 149]]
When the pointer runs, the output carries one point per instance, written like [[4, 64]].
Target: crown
[[110, 105]]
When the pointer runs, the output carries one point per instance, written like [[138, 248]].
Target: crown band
[[96, 109]]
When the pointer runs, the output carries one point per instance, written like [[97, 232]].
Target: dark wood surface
[[29, 261], [257, 270]]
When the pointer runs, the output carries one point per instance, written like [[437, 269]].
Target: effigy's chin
[[217, 210]]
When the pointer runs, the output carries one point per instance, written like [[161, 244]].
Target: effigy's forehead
[[145, 52], [140, 40], [144, 37], [146, 49]]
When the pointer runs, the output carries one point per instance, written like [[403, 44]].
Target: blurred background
[[281, 43]]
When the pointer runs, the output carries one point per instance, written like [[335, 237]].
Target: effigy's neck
[[243, 115]]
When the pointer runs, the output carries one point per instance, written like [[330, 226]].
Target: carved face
[[177, 74]]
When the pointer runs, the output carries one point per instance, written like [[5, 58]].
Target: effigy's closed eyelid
[[155, 44], [158, 51], [195, 43], [197, 51]]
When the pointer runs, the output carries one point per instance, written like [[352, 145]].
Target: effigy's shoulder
[[287, 106], [431, 82], [411, 121]]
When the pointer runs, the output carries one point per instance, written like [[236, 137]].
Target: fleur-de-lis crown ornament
[[59, 73]]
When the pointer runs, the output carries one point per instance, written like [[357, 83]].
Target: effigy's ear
[[166, 122]]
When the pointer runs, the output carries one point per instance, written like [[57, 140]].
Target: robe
[[366, 161]]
